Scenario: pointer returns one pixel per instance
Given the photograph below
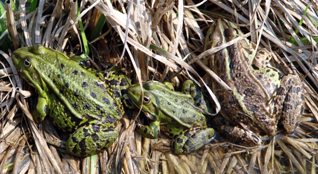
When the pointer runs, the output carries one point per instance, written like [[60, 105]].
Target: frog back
[[80, 90], [170, 107]]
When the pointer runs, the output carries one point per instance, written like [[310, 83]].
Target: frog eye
[[146, 100], [235, 31], [27, 63], [231, 33]]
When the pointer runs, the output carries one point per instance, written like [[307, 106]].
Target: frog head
[[26, 61], [150, 103]]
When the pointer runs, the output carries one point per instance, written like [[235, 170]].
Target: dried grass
[[175, 32]]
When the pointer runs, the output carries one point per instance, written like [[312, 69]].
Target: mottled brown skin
[[260, 96]]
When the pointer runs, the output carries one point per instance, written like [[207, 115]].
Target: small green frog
[[77, 99], [173, 112]]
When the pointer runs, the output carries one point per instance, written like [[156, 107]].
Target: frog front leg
[[41, 110], [290, 100], [91, 138], [192, 139], [150, 131]]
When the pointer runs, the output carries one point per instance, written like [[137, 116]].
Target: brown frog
[[262, 96]]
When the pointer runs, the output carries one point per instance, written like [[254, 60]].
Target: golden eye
[[27, 63], [146, 100]]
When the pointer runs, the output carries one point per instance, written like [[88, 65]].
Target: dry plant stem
[[72, 16], [290, 155], [5, 158], [69, 23], [213, 75], [143, 61], [252, 162], [189, 163], [38, 36], [24, 23], [17, 160], [129, 160], [295, 23], [39, 141], [55, 15], [11, 25], [271, 35]]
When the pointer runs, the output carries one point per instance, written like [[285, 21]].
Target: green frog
[[78, 99], [176, 114], [264, 98]]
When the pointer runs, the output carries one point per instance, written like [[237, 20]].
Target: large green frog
[[77, 99], [174, 113]]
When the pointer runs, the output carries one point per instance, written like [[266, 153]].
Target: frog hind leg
[[192, 139], [91, 138], [235, 134], [291, 95], [189, 87]]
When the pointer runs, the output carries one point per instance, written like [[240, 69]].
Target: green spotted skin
[[174, 113], [76, 98]]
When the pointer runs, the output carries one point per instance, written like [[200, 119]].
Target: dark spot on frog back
[[288, 98], [232, 64], [187, 134], [254, 108], [179, 140], [238, 75], [83, 146], [287, 107], [98, 107], [87, 106], [95, 137], [85, 132], [75, 106], [109, 119], [113, 82], [261, 52], [93, 95], [116, 94], [74, 139], [221, 98], [249, 92], [233, 100], [75, 72], [62, 66], [281, 91], [100, 85], [95, 127], [84, 84]]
